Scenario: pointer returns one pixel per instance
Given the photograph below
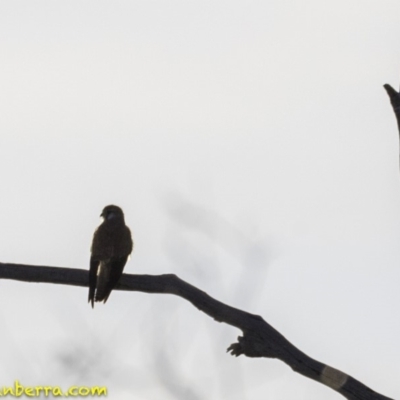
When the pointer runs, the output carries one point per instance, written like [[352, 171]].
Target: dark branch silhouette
[[259, 338], [395, 101]]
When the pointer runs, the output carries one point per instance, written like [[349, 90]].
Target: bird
[[111, 247]]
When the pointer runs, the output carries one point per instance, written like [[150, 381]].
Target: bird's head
[[112, 213]]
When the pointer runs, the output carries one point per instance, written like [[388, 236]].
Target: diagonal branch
[[395, 101], [259, 338]]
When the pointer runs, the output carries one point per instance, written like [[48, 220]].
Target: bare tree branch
[[259, 338], [395, 101]]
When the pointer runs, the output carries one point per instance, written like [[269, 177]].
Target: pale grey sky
[[255, 154]]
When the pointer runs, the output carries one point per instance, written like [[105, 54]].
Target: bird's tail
[[103, 288]]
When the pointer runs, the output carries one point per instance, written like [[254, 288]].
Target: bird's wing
[[116, 266], [94, 265]]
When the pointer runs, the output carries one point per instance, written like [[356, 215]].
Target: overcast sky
[[255, 154]]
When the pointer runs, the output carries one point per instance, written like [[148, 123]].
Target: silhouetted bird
[[112, 244]]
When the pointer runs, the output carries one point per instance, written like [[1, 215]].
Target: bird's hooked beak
[[102, 214]]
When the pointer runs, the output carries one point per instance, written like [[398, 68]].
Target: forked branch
[[259, 338]]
